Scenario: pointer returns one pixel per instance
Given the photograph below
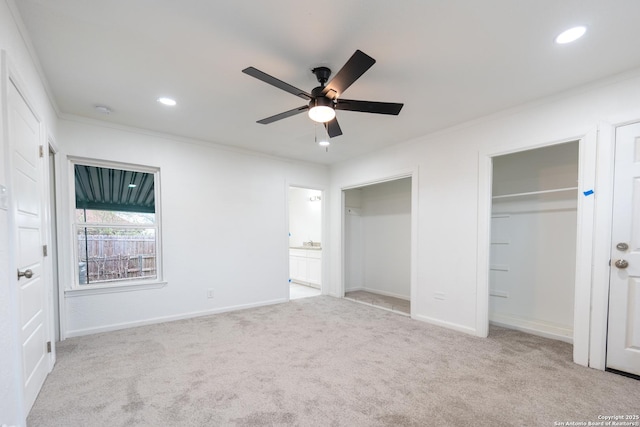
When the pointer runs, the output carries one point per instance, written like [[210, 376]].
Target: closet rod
[[533, 193]]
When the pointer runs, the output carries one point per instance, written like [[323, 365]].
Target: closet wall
[[378, 238], [353, 240], [533, 247]]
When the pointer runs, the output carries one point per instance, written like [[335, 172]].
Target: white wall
[[354, 241], [540, 169], [533, 245], [449, 172], [224, 227], [305, 216], [12, 411], [379, 238]]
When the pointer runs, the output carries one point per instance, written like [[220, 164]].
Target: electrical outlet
[[209, 293]]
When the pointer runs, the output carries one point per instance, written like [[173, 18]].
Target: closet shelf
[[535, 193]]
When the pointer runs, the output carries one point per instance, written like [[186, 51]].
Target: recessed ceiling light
[[324, 143], [167, 101], [571, 35], [132, 186]]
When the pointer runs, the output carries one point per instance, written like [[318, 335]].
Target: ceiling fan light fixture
[[321, 110], [322, 114]]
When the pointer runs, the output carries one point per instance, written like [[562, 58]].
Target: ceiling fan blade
[[356, 66], [333, 128], [283, 115], [369, 106], [254, 72]]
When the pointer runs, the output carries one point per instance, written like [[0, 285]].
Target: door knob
[[622, 263], [27, 274]]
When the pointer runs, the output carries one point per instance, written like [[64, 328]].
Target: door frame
[[411, 174], [601, 240], [587, 144], [324, 233], [52, 192]]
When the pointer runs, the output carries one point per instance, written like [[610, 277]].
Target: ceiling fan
[[325, 99]]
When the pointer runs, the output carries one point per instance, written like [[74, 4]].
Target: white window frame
[[116, 285]]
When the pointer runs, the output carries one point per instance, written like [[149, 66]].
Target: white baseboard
[[445, 324], [162, 319], [532, 326]]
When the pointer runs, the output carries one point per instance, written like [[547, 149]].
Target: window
[[116, 225]]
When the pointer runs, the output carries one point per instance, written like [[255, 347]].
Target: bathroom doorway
[[305, 242]]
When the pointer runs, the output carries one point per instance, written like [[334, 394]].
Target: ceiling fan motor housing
[[319, 100]]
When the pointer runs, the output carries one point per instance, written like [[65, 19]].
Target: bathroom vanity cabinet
[[305, 266]]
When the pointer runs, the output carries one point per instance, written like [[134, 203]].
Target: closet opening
[[305, 242], [377, 245], [534, 221]]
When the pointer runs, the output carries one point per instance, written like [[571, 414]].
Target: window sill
[[110, 289]]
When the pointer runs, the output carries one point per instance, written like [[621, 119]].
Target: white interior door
[[26, 169], [623, 339]]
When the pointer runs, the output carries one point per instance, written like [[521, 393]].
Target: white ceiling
[[448, 61]]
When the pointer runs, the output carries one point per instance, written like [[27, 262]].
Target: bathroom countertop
[[310, 248]]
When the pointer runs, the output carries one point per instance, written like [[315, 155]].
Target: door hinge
[[48, 346], [41, 151], [44, 250]]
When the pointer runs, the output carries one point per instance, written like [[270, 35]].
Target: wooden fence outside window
[[105, 258]]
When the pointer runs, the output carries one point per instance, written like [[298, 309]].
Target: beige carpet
[[322, 361]]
